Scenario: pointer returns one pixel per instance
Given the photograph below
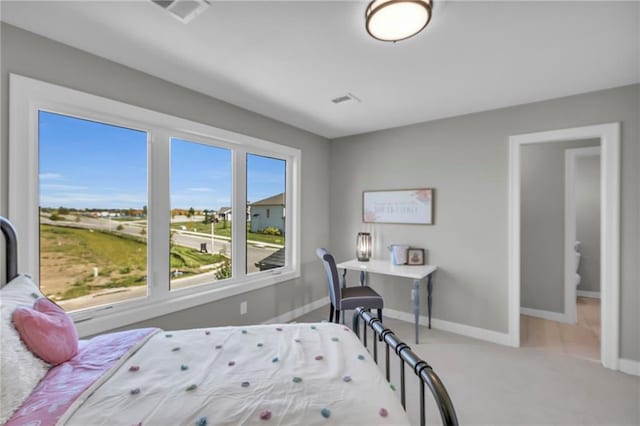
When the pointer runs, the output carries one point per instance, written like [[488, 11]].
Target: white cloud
[[61, 187], [50, 176], [85, 200]]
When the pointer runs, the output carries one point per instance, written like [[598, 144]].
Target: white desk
[[416, 272]]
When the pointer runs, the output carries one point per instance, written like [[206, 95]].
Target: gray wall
[[37, 57], [587, 198], [466, 159], [542, 224]]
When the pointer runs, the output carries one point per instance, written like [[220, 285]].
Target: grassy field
[[220, 230], [189, 261], [68, 257]]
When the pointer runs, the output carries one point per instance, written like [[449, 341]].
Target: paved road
[[254, 253]]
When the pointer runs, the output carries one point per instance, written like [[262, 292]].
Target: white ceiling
[[288, 59]]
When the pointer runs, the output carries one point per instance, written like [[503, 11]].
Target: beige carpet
[[497, 385]]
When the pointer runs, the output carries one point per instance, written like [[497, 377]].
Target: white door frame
[[609, 135], [570, 229]]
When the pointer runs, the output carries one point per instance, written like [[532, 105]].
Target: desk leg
[[344, 277], [416, 305], [429, 289]]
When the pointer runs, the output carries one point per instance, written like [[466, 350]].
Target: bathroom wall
[[542, 224], [587, 198]]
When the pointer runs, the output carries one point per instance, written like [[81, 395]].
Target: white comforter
[[299, 374]]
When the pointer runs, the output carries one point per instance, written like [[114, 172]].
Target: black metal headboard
[[11, 240]]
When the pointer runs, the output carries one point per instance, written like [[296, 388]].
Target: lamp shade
[[363, 246], [394, 20]]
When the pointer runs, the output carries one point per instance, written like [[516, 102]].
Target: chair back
[[330, 269]]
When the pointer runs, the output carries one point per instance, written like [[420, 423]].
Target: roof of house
[[276, 200], [274, 260], [224, 210]]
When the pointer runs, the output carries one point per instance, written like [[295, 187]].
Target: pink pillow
[[47, 331]]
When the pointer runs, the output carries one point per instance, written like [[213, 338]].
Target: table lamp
[[363, 246]]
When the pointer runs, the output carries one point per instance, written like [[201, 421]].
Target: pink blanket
[[65, 383]]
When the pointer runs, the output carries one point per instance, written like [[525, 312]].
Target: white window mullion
[[158, 215], [23, 183], [239, 214], [293, 212]]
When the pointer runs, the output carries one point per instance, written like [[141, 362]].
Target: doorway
[[609, 137]]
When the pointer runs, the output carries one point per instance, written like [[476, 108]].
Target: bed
[[302, 374]]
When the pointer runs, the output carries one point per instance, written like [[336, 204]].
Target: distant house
[[268, 213], [224, 213]]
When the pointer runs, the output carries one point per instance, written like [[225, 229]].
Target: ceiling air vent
[[183, 10], [349, 97]]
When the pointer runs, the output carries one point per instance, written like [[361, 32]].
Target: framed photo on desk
[[415, 256]]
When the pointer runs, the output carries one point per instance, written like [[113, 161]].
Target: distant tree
[[144, 210], [191, 212], [206, 216], [63, 210]]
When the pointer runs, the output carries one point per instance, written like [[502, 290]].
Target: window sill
[[106, 318]]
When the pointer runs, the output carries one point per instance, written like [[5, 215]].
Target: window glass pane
[[201, 216], [93, 224], [266, 183]]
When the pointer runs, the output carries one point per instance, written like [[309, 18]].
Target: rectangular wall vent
[[183, 10], [345, 98]]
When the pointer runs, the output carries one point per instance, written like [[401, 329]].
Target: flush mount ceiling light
[[394, 20], [183, 10]]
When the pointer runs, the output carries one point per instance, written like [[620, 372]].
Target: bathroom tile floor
[[581, 340]]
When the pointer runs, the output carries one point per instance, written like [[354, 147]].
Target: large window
[[266, 194], [200, 233], [93, 196], [124, 214]]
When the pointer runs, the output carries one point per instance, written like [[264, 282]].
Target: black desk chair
[[347, 297]]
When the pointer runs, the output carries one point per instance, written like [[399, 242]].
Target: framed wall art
[[405, 206]]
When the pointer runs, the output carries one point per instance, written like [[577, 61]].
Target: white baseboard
[[548, 315], [629, 366], [452, 327], [591, 294], [291, 315]]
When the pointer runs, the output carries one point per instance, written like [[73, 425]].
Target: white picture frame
[[400, 206]]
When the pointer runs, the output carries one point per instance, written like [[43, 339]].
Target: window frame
[[29, 96]]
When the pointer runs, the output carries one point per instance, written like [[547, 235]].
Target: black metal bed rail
[[406, 356], [11, 248]]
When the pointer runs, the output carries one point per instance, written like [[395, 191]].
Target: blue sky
[[84, 164]]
